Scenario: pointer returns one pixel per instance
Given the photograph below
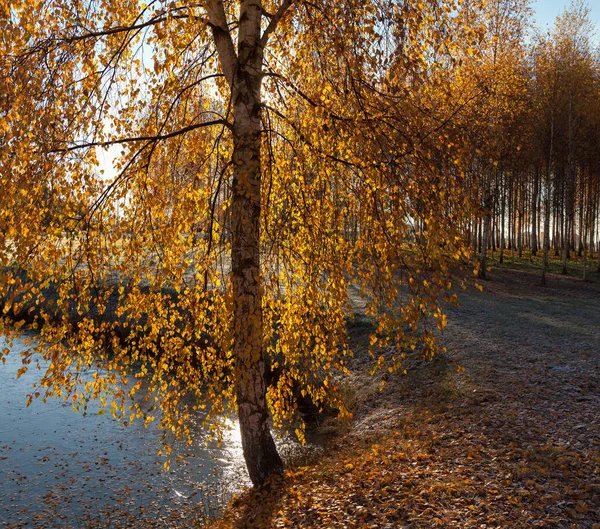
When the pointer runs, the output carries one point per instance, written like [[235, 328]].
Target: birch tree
[[246, 133]]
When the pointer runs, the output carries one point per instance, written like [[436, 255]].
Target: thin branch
[[307, 98], [122, 29], [273, 23], [304, 139], [159, 137]]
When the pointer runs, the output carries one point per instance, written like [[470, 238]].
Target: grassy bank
[[528, 262]]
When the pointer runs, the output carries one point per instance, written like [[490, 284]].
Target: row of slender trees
[[538, 169]]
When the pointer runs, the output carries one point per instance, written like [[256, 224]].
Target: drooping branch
[[288, 82], [135, 26], [158, 137], [125, 29], [302, 137]]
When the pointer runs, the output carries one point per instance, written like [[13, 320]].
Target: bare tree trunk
[[592, 206], [259, 448], [570, 191], [557, 221], [596, 212], [565, 246], [494, 218], [510, 213], [539, 216], [502, 235], [584, 239], [487, 220], [546, 235], [534, 203], [582, 213], [243, 72], [572, 231], [548, 205], [520, 232], [598, 250], [493, 233], [513, 231]]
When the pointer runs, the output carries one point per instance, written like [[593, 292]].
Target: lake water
[[60, 469]]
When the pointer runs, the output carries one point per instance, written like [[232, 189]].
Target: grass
[[531, 263]]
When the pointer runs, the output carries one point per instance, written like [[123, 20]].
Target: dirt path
[[537, 350], [514, 440], [523, 420]]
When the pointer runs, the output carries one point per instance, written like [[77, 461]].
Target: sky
[[546, 11]]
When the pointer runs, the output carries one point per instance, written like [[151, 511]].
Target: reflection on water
[[61, 469]]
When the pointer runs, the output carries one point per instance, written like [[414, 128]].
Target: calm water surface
[[61, 469]]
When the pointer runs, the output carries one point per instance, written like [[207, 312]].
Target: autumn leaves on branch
[[272, 156]]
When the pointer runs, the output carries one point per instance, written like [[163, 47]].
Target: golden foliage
[[127, 273]]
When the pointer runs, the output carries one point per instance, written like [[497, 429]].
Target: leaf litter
[[511, 441]]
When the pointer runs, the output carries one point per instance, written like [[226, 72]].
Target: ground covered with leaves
[[511, 441]]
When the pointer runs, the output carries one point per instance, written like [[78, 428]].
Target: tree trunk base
[[260, 452]]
